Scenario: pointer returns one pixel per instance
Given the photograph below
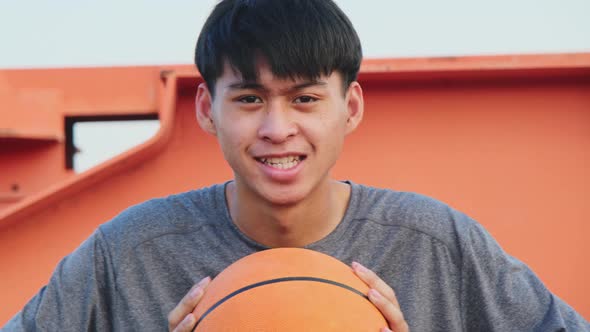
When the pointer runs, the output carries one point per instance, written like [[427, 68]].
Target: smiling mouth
[[282, 162]]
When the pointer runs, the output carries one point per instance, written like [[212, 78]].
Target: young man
[[280, 96]]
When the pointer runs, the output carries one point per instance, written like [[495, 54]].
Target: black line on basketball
[[274, 281]]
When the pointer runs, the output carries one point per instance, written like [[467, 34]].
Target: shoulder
[[414, 213], [183, 212], [405, 209]]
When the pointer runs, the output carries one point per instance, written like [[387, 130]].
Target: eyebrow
[[252, 85]]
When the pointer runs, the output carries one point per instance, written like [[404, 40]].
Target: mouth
[[286, 162]]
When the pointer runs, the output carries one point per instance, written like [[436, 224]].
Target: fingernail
[[204, 281], [189, 318], [358, 267], [196, 292]]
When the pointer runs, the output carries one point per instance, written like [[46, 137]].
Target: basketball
[[287, 290]]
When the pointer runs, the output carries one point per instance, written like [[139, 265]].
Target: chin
[[284, 198]]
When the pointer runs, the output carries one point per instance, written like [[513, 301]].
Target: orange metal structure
[[504, 138]]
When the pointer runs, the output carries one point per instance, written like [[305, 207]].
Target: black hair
[[298, 39]]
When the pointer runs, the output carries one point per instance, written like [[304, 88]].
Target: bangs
[[297, 38]]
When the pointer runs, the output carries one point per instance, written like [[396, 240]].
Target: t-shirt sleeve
[[77, 297], [500, 293]]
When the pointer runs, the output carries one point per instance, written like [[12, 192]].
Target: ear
[[203, 102], [355, 106]]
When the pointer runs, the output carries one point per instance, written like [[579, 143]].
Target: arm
[[500, 293], [77, 297]]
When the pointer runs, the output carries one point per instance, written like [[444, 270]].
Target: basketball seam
[[274, 281]]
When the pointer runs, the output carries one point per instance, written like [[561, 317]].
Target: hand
[[181, 318], [383, 297]]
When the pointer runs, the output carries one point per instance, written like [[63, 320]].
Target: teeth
[[282, 163]]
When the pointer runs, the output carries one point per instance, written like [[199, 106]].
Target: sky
[[80, 33]]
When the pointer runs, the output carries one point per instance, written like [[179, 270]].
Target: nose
[[277, 125]]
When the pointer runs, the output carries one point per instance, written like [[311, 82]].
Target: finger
[[187, 324], [391, 312], [373, 281], [187, 304], [385, 329]]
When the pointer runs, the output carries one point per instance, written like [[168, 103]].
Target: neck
[[295, 225]]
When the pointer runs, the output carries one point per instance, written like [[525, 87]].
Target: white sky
[[74, 33]]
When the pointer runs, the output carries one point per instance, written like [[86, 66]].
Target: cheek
[[326, 137], [229, 139], [234, 136], [332, 126]]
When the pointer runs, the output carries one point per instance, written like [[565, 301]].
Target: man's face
[[281, 137]]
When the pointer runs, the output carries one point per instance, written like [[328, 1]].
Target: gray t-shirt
[[447, 271]]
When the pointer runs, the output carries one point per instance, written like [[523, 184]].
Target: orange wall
[[509, 148]]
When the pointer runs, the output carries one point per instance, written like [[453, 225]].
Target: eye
[[305, 99], [250, 99]]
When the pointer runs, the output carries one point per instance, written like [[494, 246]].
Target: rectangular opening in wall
[[94, 139]]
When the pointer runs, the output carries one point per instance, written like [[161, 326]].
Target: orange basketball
[[287, 290]]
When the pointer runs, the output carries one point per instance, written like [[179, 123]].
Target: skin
[[278, 207]]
